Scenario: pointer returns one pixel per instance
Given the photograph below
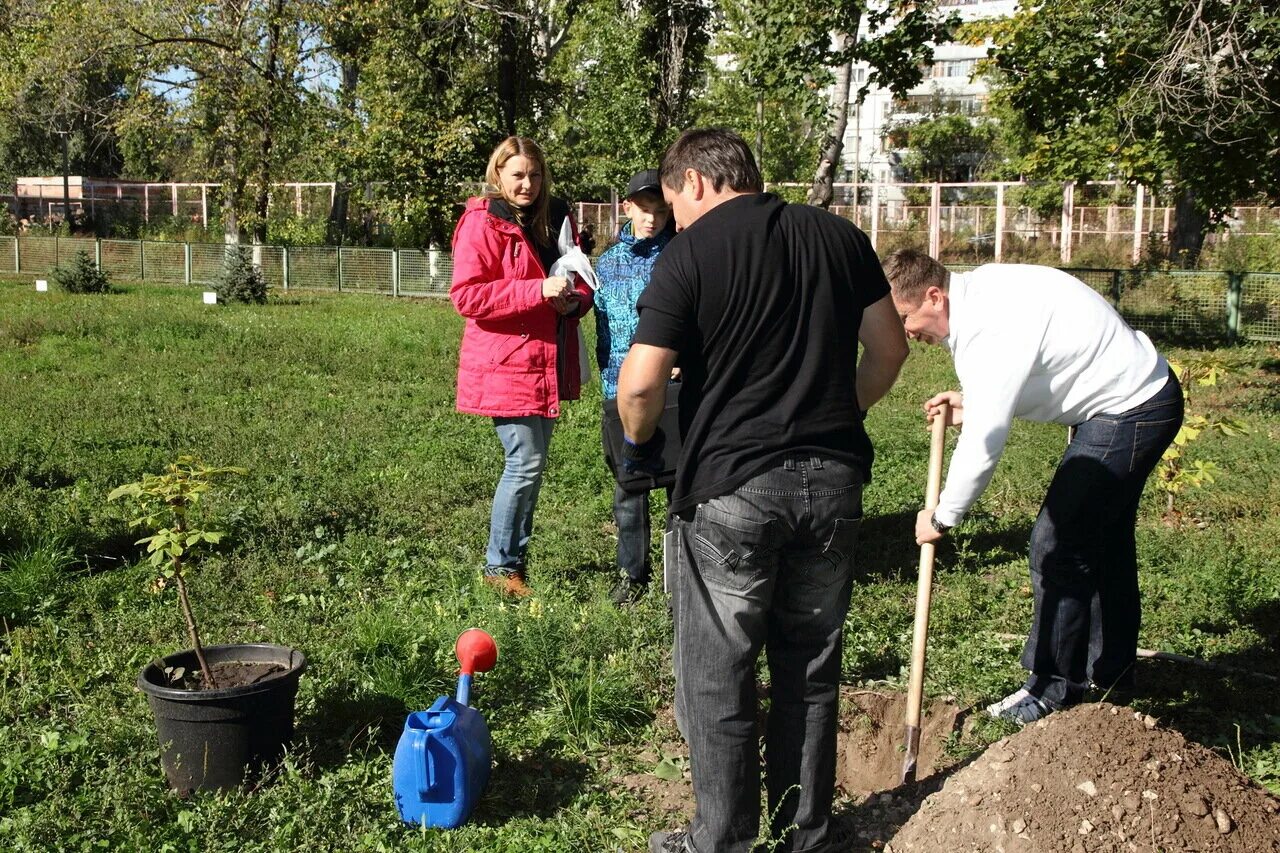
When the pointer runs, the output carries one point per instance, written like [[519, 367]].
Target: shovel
[[924, 593]]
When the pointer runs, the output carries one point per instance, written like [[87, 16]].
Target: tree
[[1187, 93], [47, 90], [897, 42], [235, 66], [944, 146], [626, 82]]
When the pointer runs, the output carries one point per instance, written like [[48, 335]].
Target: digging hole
[[870, 739]]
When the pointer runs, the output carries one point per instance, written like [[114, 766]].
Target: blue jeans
[[769, 566], [631, 513], [1084, 558], [525, 442]]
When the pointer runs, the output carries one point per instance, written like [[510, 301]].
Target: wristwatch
[[938, 525]]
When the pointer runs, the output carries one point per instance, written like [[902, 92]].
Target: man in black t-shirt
[[762, 305]]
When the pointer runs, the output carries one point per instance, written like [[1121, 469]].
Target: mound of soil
[[1095, 778]]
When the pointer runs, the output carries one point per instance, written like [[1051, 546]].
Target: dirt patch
[[869, 744], [868, 759], [1095, 778]]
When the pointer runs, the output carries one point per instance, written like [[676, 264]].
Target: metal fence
[[394, 272], [1192, 306]]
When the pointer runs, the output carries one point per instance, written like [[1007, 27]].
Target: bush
[[83, 276], [241, 281]]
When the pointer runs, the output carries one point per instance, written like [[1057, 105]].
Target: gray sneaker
[[1020, 707], [670, 841]]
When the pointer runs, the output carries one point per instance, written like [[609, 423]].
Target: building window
[[954, 68]]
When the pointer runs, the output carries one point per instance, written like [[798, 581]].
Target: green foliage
[[168, 502], [33, 580], [945, 147], [1174, 475], [1100, 88], [82, 276], [241, 279]]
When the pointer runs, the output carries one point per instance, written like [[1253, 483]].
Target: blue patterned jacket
[[623, 270]]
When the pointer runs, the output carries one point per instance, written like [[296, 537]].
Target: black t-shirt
[[762, 300]]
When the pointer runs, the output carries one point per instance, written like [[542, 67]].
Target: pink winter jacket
[[515, 341]]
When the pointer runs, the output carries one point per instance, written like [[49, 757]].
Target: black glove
[[646, 457]]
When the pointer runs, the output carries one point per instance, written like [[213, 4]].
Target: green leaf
[[668, 771]]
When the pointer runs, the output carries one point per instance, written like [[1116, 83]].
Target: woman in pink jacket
[[519, 357]]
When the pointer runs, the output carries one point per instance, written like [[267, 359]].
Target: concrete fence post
[[999, 222], [284, 266], [935, 220], [1068, 217], [186, 263], [97, 253], [1139, 208], [395, 272], [1235, 292]]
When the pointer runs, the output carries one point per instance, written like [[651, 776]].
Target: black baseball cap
[[646, 179]]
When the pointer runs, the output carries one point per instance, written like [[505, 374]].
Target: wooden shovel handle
[[924, 596]]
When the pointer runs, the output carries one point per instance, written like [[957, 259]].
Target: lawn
[[358, 535]]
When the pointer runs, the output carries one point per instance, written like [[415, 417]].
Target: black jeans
[[1084, 561], [769, 566]]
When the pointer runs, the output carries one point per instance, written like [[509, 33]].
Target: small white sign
[[41, 285], [210, 297]]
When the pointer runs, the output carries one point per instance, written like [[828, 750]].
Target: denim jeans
[[769, 566], [1084, 560], [525, 442], [631, 513]]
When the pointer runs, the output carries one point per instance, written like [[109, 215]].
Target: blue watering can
[[442, 760]]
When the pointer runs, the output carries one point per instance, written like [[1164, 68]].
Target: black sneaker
[[674, 841], [627, 591]]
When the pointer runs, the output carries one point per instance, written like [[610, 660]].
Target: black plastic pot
[[216, 739]]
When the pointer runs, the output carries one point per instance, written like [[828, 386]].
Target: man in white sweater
[[1036, 343]]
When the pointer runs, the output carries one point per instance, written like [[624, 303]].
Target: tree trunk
[[267, 125], [508, 68], [337, 226], [1189, 226], [822, 191]]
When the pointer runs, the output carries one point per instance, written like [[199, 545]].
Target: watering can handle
[[424, 768]]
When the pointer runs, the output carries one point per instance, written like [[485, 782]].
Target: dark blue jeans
[[770, 567], [1084, 560], [631, 514]]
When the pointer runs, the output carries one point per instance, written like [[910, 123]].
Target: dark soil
[[230, 673], [869, 745], [1095, 778], [868, 760]]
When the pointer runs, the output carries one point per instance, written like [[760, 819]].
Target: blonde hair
[[537, 217]]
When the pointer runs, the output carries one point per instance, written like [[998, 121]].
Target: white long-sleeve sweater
[[1034, 343]]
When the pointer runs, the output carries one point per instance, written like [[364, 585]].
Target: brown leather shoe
[[512, 585]]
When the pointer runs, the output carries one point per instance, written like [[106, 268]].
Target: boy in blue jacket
[[623, 271]]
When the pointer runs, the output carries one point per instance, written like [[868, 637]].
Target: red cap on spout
[[476, 651]]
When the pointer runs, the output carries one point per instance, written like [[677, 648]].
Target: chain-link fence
[[1190, 306]]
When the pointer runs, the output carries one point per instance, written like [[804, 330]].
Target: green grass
[[358, 534]]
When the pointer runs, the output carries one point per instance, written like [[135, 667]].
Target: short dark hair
[[719, 155], [911, 273]]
